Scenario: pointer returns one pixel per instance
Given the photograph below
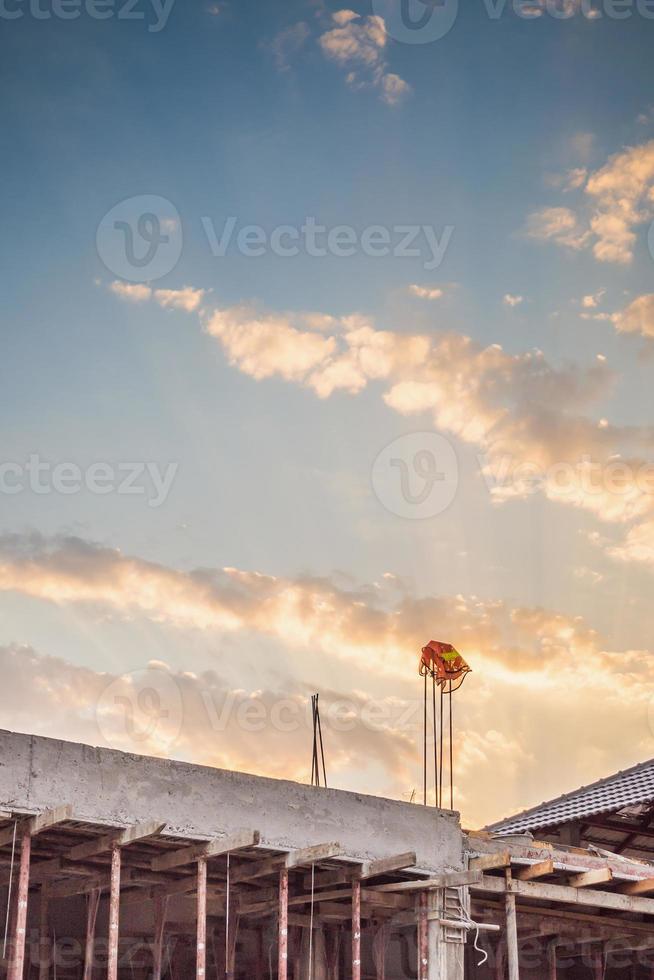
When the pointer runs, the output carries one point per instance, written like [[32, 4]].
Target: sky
[[328, 331]]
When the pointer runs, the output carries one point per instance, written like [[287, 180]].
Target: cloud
[[187, 299], [618, 198], [637, 318], [531, 421], [288, 43], [427, 292], [638, 545], [538, 676], [593, 300], [132, 292], [559, 225], [357, 44], [511, 300]]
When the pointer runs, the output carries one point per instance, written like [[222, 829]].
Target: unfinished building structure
[[130, 867]]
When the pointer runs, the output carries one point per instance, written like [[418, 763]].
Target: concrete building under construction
[[120, 866]]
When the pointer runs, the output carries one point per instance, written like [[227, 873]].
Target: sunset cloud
[[637, 318], [522, 412], [617, 199], [357, 44], [529, 667]]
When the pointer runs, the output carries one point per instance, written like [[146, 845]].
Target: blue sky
[[530, 138]]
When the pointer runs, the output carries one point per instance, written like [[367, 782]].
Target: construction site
[[126, 866]]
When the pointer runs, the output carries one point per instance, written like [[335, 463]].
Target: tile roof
[[628, 788]]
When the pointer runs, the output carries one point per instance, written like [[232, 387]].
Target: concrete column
[[446, 958]]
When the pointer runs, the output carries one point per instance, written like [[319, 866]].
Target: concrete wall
[[112, 787]]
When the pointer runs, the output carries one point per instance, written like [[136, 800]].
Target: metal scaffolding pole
[[282, 971], [423, 939], [356, 930], [201, 956], [114, 915], [18, 953]]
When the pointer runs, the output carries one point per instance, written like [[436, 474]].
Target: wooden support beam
[[552, 971], [489, 862], [371, 869], [513, 955], [589, 878], [37, 824], [457, 879], [17, 965], [114, 914], [386, 900], [160, 908], [566, 895], [282, 967], [91, 919], [643, 887], [100, 845], [294, 859], [213, 848], [539, 870], [44, 933], [201, 944], [356, 930], [423, 938]]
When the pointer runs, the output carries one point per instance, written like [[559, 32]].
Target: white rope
[[11, 876], [313, 881], [471, 924]]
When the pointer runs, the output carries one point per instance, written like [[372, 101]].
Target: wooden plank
[[644, 887], [489, 862], [539, 870], [37, 824], [457, 879], [130, 835], [567, 895], [294, 859], [371, 869], [385, 899], [589, 878], [212, 848]]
